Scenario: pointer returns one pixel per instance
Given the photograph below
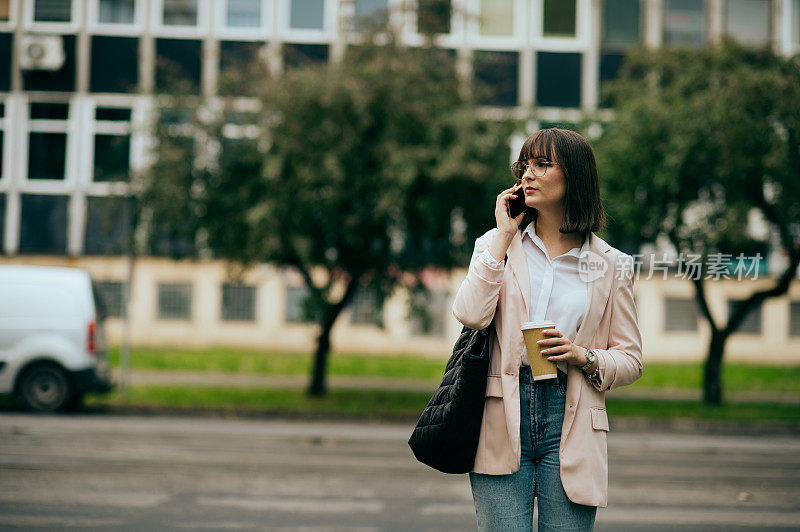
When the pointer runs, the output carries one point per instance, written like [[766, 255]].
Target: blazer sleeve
[[621, 363], [476, 300]]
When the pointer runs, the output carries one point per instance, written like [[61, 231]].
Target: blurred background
[[258, 208]]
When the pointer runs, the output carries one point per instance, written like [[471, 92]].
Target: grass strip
[[736, 376], [400, 404]]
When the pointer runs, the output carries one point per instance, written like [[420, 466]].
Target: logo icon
[[591, 266]]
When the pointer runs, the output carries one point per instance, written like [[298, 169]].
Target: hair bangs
[[540, 144]]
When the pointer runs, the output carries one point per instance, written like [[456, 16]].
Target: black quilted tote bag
[[446, 435]]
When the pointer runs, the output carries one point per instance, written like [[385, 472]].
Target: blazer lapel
[[599, 290], [519, 267]]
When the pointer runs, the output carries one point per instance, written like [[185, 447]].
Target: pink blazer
[[609, 327]]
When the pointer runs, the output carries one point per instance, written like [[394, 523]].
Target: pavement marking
[[332, 506], [227, 525], [88, 498], [58, 520], [447, 509]]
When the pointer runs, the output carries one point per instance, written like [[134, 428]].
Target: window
[[238, 302], [497, 17], [243, 14], [178, 65], [559, 18], [436, 305], [307, 14], [174, 301], [297, 305], [115, 64], [794, 318], [371, 14], [433, 16], [52, 10], [47, 150], [47, 155], [180, 12], [610, 63], [558, 79], [796, 22], [299, 55], [49, 111], [43, 226], [112, 144], [111, 296], [116, 11], [364, 308], [752, 322], [5, 6], [684, 23], [111, 157], [239, 64], [748, 21], [6, 47], [620, 24], [496, 76], [680, 314], [108, 224], [62, 79]]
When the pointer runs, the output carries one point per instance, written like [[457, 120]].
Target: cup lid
[[538, 324]]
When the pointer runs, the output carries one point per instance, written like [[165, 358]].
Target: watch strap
[[589, 360]]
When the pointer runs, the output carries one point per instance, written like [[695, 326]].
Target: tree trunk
[[318, 387], [712, 375]]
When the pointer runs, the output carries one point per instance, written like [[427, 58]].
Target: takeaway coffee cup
[[541, 368]]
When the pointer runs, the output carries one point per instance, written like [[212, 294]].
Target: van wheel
[[45, 387]]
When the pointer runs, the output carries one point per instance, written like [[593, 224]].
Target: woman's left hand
[[559, 347]]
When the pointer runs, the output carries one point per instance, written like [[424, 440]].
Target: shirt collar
[[530, 230]]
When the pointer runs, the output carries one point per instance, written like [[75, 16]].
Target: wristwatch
[[590, 359]]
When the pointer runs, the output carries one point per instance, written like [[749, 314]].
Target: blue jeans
[[504, 503]]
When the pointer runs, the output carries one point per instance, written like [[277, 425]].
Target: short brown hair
[[583, 207]]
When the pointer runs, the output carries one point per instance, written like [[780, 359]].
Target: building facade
[[76, 85]]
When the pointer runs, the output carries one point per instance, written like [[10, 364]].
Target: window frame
[[158, 286], [512, 42], [706, 33], [324, 35], [13, 18], [238, 319], [69, 128], [72, 26], [758, 313], [233, 33], [132, 29], [161, 30], [770, 30], [583, 24]]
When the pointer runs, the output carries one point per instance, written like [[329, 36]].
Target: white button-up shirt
[[557, 293]]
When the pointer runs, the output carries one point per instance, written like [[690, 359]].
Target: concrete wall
[[774, 344]]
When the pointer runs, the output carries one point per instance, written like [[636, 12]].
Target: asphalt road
[[100, 472]]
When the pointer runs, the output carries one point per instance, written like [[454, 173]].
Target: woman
[[546, 439]]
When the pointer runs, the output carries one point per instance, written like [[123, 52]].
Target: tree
[[700, 141], [358, 174]]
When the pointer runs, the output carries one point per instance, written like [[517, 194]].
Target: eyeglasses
[[538, 168]]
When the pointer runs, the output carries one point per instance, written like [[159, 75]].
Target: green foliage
[[699, 139], [360, 168], [360, 174]]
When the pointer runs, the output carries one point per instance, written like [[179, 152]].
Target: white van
[[52, 346]]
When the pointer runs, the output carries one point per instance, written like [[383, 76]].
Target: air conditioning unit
[[41, 52]]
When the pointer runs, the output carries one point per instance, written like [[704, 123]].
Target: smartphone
[[517, 205]]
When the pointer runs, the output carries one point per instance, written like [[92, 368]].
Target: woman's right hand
[[506, 224]]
